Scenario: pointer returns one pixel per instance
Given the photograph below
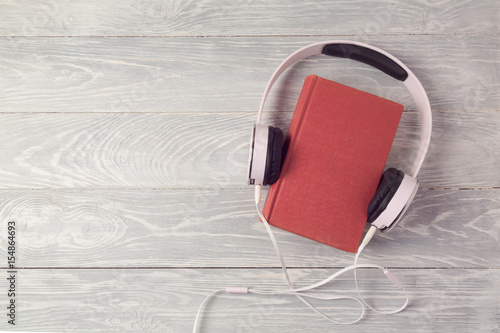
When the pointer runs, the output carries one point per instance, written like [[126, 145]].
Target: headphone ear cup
[[389, 183], [273, 158]]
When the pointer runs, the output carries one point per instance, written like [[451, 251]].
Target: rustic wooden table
[[124, 143]]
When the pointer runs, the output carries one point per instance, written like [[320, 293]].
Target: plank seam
[[243, 268]]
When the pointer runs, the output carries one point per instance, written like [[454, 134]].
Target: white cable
[[301, 293], [201, 307], [389, 275], [293, 291]]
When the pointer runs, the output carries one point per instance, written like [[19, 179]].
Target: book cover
[[336, 149]]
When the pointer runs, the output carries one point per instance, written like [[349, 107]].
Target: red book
[[336, 149]]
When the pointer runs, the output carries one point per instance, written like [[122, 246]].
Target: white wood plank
[[155, 150], [229, 74], [258, 17], [450, 300], [220, 228]]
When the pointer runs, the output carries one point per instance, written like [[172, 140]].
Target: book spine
[[293, 132]]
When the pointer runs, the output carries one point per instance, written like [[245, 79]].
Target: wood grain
[[156, 150], [158, 74], [256, 17], [167, 300], [217, 228], [124, 142]]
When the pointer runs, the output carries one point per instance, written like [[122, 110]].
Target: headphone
[[396, 189]]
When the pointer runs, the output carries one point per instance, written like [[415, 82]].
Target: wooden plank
[[259, 17], [449, 300], [193, 150], [220, 228], [229, 74]]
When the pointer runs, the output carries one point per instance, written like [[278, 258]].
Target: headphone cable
[[302, 293]]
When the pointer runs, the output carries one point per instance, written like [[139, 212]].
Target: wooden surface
[[124, 142]]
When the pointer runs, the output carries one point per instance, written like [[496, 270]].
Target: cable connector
[[237, 290], [393, 279], [369, 235], [258, 189]]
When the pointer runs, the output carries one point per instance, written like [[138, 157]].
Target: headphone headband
[[379, 59]]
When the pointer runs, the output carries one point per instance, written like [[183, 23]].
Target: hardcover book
[[336, 149]]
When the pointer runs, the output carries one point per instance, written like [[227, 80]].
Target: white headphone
[[395, 192], [396, 189]]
